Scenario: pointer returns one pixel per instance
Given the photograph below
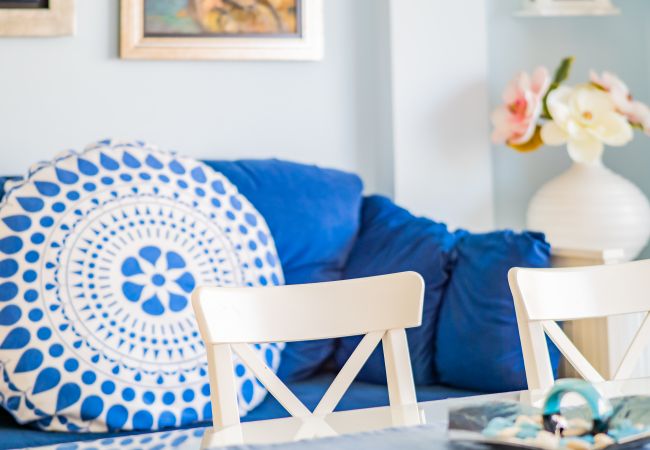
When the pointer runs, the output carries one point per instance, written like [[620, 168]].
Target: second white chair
[[545, 296]]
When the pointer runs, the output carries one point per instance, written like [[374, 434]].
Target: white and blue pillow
[[99, 252]]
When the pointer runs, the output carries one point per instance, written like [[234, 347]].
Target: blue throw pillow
[[477, 342], [99, 254], [392, 240], [313, 214]]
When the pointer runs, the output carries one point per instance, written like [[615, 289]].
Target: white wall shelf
[[571, 8]]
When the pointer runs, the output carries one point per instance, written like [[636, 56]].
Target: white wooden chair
[[544, 296], [380, 307]]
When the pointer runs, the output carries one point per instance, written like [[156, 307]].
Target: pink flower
[[637, 113], [515, 121]]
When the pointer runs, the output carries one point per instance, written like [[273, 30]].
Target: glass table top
[[433, 416]]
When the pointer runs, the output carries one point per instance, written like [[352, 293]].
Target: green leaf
[[563, 71], [561, 74]]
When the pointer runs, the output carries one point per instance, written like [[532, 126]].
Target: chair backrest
[[378, 307], [544, 296]]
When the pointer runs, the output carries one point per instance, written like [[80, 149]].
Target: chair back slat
[[309, 311], [348, 372], [270, 380], [378, 307], [571, 352], [634, 351], [585, 292]]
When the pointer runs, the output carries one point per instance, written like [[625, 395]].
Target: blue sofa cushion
[[313, 214], [477, 342], [392, 240], [99, 254]]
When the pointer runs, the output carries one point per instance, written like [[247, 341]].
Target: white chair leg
[[225, 410], [401, 388]]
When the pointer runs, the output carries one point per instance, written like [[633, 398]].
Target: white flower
[[585, 118]]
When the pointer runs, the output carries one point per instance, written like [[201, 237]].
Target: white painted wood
[[379, 307], [619, 331], [571, 353], [314, 427], [135, 45], [442, 152], [339, 308], [592, 336], [223, 387], [581, 292], [635, 350], [58, 19], [543, 296], [271, 381], [408, 415], [399, 375], [536, 361], [347, 373], [291, 429]]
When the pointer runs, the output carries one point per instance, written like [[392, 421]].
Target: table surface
[[421, 426]]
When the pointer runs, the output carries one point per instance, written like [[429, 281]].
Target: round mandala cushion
[[99, 253]]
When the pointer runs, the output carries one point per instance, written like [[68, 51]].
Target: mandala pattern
[[99, 253], [157, 279]]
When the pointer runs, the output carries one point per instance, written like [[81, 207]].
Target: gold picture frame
[[305, 44], [57, 19]]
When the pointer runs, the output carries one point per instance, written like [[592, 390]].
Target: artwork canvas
[[251, 18], [222, 29]]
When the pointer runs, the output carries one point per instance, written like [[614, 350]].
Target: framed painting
[[37, 17], [222, 29]]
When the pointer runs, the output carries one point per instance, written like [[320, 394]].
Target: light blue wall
[[620, 44], [57, 93]]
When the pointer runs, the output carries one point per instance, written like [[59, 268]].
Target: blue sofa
[[325, 229]]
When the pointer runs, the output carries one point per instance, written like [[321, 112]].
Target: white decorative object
[[536, 8], [589, 207]]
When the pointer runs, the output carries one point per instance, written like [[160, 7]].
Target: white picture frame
[[58, 19], [134, 44]]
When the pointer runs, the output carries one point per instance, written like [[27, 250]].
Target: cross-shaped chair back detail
[[380, 308], [544, 297]]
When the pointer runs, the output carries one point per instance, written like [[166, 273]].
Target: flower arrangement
[[586, 117]]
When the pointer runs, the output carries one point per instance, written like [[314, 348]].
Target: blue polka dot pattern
[[99, 254], [166, 440]]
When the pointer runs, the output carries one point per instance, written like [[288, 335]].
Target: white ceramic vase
[[589, 207]]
